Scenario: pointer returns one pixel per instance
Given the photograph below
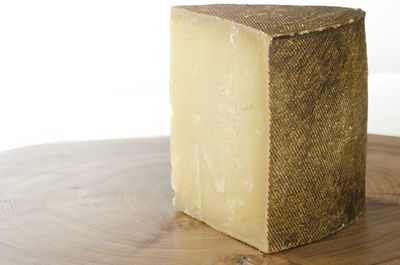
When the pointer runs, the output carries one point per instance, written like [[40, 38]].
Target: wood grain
[[109, 202]]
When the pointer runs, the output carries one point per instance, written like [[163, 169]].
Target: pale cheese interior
[[219, 125]]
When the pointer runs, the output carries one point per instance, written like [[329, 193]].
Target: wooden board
[[109, 202]]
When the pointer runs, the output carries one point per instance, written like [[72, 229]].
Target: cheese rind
[[317, 133], [268, 128]]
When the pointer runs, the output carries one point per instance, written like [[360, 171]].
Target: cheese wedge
[[268, 128]]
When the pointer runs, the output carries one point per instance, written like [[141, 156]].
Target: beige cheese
[[221, 126], [219, 130]]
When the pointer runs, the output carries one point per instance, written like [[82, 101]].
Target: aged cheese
[[268, 128]]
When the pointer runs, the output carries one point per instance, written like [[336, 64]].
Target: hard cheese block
[[269, 111]]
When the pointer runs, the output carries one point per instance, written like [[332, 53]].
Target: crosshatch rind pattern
[[318, 103]]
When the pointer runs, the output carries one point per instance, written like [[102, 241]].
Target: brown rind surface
[[318, 103], [280, 19]]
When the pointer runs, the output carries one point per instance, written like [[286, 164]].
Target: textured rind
[[318, 103], [278, 20]]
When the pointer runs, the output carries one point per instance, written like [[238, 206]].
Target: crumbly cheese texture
[[245, 154]]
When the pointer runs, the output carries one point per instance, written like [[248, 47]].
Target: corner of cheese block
[[220, 124]]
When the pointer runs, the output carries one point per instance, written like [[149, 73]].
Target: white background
[[92, 69]]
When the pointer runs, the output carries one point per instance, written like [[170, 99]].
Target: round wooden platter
[[109, 202]]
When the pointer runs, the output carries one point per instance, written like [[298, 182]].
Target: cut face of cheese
[[219, 123], [268, 127]]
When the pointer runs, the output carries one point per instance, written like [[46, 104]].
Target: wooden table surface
[[109, 202]]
